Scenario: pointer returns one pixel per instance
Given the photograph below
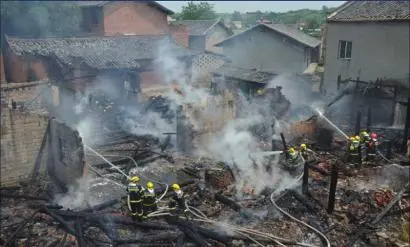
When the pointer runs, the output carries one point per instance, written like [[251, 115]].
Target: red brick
[[137, 18]]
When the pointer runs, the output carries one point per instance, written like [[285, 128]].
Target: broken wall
[[66, 161], [21, 137]]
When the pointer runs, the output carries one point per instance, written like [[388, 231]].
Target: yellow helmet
[[134, 179], [358, 138], [291, 150], [352, 138], [303, 146], [260, 91], [175, 187], [150, 185]]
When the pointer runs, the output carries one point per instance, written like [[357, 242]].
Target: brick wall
[[180, 34], [136, 18], [66, 159], [21, 137]]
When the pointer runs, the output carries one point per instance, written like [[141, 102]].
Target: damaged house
[[74, 63], [367, 52]]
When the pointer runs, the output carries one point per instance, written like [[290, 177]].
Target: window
[[345, 49]]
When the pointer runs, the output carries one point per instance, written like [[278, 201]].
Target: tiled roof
[[283, 29], [371, 11], [294, 34], [251, 75], [199, 27], [99, 52], [102, 3]]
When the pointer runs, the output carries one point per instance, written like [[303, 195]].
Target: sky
[[251, 6]]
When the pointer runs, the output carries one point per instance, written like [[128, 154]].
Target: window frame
[[345, 49]]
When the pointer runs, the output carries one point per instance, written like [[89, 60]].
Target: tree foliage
[[197, 11], [312, 18]]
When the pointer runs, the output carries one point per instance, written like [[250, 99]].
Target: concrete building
[[273, 48], [367, 40], [204, 34]]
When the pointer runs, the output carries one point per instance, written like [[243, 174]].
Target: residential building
[[74, 63], [204, 34], [367, 40], [105, 19], [275, 48], [110, 18]]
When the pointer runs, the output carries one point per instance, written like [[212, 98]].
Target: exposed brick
[[180, 34], [137, 18], [21, 137]]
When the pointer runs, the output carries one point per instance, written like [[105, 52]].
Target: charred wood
[[7, 195], [101, 206], [117, 163], [304, 200], [19, 229], [164, 236], [80, 233], [234, 205]]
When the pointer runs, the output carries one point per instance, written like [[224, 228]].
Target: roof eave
[[367, 20]]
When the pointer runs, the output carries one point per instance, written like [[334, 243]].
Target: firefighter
[[354, 154], [134, 199], [372, 147], [260, 92], [149, 199], [303, 151], [364, 145], [294, 157], [178, 200]]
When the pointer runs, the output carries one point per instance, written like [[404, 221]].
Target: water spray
[[106, 160], [330, 123]]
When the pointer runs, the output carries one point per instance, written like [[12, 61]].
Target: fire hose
[[136, 164]]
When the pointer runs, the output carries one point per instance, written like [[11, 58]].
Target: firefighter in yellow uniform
[[134, 199], [353, 149], [149, 199], [303, 151]]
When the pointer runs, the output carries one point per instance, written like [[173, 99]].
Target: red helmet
[[373, 135]]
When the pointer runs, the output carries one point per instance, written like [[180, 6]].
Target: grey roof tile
[[372, 11], [283, 29], [294, 34], [99, 52]]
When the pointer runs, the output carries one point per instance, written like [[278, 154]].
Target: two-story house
[[367, 40], [274, 48], [204, 34]]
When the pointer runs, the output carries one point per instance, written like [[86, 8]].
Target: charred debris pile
[[369, 204]]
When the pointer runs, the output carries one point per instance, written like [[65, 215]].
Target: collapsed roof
[[99, 52], [251, 75]]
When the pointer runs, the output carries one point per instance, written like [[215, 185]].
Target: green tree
[[198, 11], [236, 16]]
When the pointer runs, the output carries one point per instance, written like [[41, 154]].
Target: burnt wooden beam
[[285, 148], [357, 127], [369, 119], [332, 189], [305, 179], [318, 169], [406, 133], [164, 236], [13, 236]]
